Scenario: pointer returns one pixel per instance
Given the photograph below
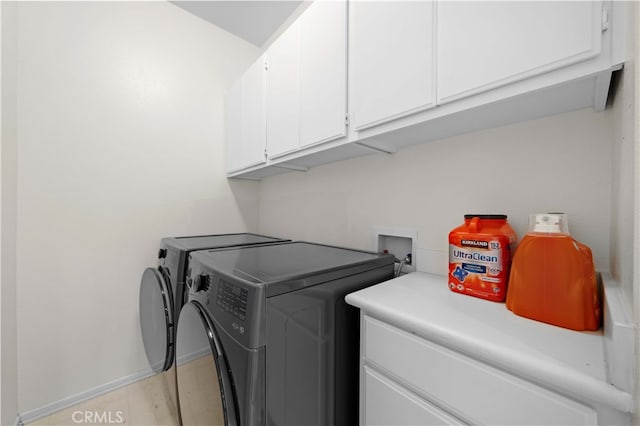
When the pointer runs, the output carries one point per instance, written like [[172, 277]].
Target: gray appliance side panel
[[312, 353]]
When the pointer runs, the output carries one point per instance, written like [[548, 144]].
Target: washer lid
[[282, 262], [202, 242], [156, 319]]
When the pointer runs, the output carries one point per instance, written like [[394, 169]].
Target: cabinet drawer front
[[470, 390], [386, 403]]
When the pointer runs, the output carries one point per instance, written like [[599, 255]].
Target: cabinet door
[[323, 72], [387, 403], [392, 59], [253, 115], [282, 93], [483, 45], [245, 119], [233, 121]]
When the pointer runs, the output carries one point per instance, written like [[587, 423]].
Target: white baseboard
[[193, 355], [38, 413]]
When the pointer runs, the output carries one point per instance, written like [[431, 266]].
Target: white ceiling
[[254, 21]]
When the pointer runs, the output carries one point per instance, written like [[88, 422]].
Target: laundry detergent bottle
[[480, 255], [553, 279]]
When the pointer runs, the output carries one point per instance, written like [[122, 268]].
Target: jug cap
[[486, 216], [551, 223]]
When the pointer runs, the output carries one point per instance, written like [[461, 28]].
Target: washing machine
[[266, 337], [162, 296]]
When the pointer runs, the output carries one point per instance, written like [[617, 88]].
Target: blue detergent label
[[477, 269]]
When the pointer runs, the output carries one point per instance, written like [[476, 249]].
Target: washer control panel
[[232, 299]]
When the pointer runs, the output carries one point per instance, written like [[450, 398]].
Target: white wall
[[626, 190], [120, 126], [624, 165], [559, 163], [8, 176], [636, 242]]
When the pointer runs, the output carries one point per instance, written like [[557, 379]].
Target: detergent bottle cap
[[551, 223]]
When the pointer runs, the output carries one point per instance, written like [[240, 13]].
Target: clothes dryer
[[162, 295], [266, 337]]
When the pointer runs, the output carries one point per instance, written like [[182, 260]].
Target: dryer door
[[205, 388], [156, 318]]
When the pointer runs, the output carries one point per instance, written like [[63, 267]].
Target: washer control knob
[[203, 283]]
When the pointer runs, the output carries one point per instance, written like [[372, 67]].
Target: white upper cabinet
[[283, 59], [484, 45], [246, 120], [253, 113], [233, 127], [323, 72], [349, 78], [391, 57]]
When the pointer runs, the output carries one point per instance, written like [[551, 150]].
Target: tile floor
[[144, 403]]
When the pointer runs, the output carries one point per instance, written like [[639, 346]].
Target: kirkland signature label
[[475, 243]]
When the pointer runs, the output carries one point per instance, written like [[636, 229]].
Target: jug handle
[[582, 248], [473, 225]]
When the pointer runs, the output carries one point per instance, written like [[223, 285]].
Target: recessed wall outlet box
[[400, 243]]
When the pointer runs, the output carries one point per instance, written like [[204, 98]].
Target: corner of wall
[[636, 251], [8, 216], [633, 53]]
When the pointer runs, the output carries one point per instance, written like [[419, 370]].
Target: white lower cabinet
[[382, 393], [406, 379]]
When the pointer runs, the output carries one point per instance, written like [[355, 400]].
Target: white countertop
[[567, 361]]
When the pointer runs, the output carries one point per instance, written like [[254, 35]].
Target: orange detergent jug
[[553, 279], [480, 256]]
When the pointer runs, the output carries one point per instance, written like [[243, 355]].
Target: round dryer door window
[[204, 387], [156, 319]]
